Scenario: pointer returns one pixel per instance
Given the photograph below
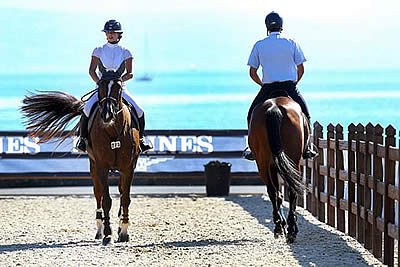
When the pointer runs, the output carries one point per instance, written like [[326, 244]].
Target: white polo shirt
[[278, 57], [112, 56]]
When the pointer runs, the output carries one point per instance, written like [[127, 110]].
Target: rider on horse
[[282, 61], [113, 62]]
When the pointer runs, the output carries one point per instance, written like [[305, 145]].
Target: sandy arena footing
[[167, 231]]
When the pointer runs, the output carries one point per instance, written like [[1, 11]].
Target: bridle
[[108, 100]]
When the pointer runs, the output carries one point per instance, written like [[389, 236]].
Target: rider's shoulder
[[260, 42], [123, 48], [289, 39]]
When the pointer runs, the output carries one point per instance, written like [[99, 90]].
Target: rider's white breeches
[[125, 94]]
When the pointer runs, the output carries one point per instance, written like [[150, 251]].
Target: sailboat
[[146, 77]]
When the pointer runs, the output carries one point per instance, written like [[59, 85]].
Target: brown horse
[[113, 144], [276, 137]]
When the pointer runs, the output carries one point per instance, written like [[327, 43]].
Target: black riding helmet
[[273, 22], [112, 26]]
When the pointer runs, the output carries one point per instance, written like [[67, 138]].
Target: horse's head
[[109, 92]]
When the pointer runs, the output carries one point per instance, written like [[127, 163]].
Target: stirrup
[[144, 146], [247, 154], [310, 152], [81, 145]]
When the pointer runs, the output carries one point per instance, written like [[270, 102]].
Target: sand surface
[[167, 231]]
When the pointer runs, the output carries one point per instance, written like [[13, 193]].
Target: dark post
[[360, 185], [218, 178], [340, 213], [309, 195], [388, 257], [300, 198], [351, 183], [378, 198], [318, 179], [398, 209], [368, 234], [330, 180]]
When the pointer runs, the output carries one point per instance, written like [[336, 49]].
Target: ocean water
[[220, 100]]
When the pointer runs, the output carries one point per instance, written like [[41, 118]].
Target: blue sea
[[220, 100]]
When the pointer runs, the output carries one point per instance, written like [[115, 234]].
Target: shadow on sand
[[39, 245], [320, 243]]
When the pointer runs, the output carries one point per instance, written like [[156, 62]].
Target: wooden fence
[[354, 185]]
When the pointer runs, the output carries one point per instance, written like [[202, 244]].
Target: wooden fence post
[[360, 183], [340, 213], [398, 210], [378, 198], [388, 257], [309, 195], [300, 197], [368, 234], [318, 179], [330, 180], [351, 183]]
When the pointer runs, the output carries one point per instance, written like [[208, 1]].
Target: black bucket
[[218, 178]]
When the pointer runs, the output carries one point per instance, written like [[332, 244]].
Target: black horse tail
[[48, 114], [286, 167]]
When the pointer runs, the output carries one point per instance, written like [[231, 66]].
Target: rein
[[88, 94]]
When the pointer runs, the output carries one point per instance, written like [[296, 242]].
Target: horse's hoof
[[278, 232], [98, 236], [290, 238], [107, 240], [123, 238]]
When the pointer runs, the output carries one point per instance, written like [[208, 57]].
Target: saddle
[[277, 93], [277, 89], [132, 110]]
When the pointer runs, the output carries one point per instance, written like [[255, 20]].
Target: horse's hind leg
[[276, 199], [98, 193], [124, 190], [292, 217]]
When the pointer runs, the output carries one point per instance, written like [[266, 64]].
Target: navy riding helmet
[[112, 26], [273, 21]]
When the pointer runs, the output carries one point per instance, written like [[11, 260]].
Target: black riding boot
[[143, 145], [83, 133], [309, 151]]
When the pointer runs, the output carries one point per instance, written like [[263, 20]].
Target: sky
[[187, 35]]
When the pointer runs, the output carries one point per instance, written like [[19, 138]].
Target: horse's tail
[[48, 114], [286, 167]]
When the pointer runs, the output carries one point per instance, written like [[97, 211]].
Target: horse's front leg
[[125, 200], [106, 205], [98, 193], [292, 218]]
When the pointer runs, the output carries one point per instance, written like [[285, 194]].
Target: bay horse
[[277, 132], [112, 144]]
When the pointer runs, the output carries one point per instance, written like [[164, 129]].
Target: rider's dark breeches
[[265, 92]]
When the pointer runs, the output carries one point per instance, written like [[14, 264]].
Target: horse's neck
[[122, 119]]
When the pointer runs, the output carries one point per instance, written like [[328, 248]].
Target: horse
[[113, 144], [277, 131]]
